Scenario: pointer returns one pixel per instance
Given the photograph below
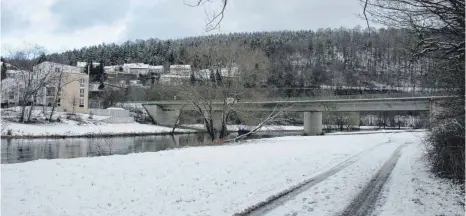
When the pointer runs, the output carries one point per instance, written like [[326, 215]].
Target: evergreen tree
[[4, 68]]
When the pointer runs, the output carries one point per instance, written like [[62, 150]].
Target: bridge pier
[[217, 120], [312, 123], [162, 117]]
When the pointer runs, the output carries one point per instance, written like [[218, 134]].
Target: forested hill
[[297, 58]]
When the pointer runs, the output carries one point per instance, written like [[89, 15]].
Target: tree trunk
[[23, 111], [32, 107]]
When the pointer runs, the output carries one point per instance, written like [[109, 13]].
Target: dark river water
[[23, 150]]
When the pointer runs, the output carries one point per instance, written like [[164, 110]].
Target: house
[[229, 72], [136, 69], [169, 79], [156, 69], [180, 70], [84, 64], [203, 74], [48, 77]]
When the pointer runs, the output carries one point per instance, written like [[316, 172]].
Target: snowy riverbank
[[224, 180], [74, 125]]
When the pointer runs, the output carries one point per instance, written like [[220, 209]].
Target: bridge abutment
[[217, 120], [313, 123], [162, 117]]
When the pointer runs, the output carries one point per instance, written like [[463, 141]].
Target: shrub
[[446, 149]]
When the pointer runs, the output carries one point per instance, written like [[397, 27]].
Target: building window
[[81, 92], [57, 69], [82, 82], [50, 91], [11, 95], [81, 102]]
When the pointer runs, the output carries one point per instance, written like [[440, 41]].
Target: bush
[[446, 149]]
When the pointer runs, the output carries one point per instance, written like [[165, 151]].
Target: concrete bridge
[[166, 112]]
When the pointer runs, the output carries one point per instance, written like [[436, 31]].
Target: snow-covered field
[[224, 180]]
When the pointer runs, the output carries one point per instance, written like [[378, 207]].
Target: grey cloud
[[12, 21], [173, 19], [76, 14], [164, 20]]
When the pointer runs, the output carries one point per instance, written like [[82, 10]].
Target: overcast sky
[[65, 24]]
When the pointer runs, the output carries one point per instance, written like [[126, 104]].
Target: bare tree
[[440, 28], [230, 73], [215, 17], [30, 80]]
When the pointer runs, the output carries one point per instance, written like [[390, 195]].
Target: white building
[[169, 79], [230, 72], [156, 69], [203, 74], [136, 69], [47, 77], [180, 70]]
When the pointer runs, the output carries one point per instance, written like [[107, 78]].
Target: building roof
[[84, 64], [180, 66], [157, 67], [136, 65]]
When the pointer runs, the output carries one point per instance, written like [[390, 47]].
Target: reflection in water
[[22, 150]]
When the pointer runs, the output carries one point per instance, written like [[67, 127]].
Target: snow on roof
[[180, 66], [13, 71], [136, 65], [84, 64], [172, 76], [158, 67], [115, 108], [81, 64]]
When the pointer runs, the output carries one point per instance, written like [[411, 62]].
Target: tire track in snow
[[364, 202], [278, 199]]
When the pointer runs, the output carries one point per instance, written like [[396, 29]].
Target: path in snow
[[276, 200], [364, 203], [330, 197]]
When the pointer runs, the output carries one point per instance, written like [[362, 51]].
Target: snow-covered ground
[[73, 129], [265, 128], [78, 124], [222, 180], [412, 190]]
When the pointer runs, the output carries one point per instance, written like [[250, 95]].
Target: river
[[24, 150]]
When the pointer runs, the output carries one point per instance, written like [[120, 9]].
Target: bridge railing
[[360, 96], [320, 97]]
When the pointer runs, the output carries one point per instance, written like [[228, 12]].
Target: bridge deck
[[335, 105]]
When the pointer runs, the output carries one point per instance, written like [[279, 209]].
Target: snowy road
[[279, 176]]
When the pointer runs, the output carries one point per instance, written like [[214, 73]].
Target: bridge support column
[[162, 117], [217, 120], [313, 123]]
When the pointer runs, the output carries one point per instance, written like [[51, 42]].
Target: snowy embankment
[[220, 180], [234, 128], [74, 125], [85, 130]]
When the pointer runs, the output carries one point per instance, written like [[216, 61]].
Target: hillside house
[[180, 70], [136, 69]]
